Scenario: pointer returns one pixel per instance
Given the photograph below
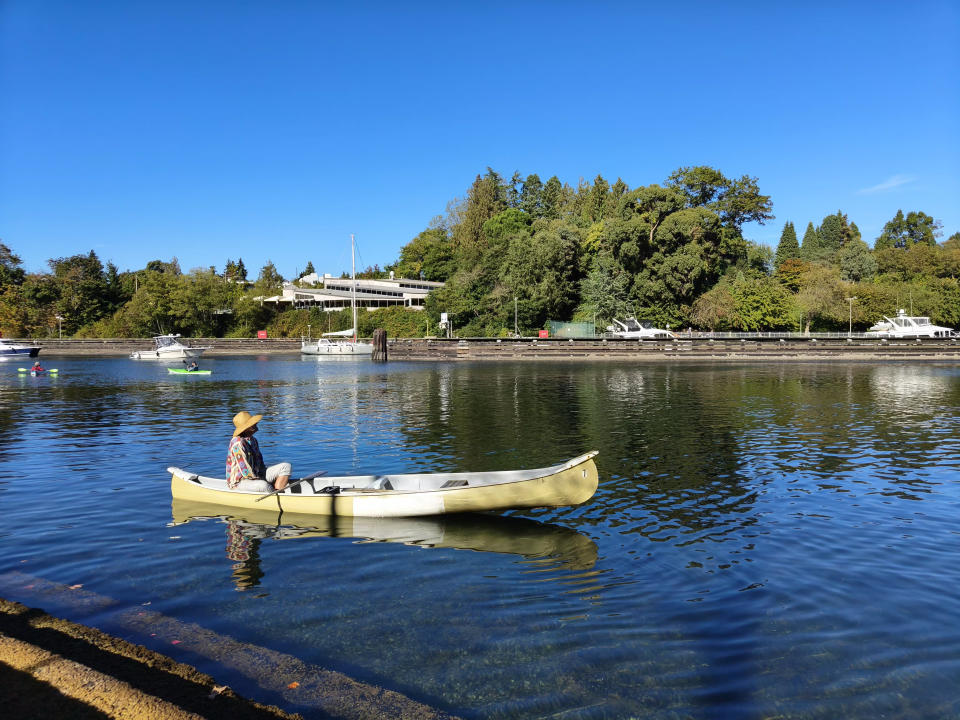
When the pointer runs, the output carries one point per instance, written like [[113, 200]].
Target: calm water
[[766, 541]]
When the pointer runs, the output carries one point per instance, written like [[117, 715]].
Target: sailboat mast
[[353, 285]]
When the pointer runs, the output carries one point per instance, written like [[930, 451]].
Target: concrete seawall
[[440, 349]]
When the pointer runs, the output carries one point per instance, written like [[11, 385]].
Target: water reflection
[[551, 545]]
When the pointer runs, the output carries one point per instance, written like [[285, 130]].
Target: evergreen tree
[[596, 200], [485, 199], [531, 196], [810, 249], [552, 198], [831, 233], [308, 270], [788, 248]]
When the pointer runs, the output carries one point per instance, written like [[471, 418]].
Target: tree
[[605, 291], [905, 231], [831, 234], [81, 288], [736, 201], [485, 199], [552, 198], [810, 249], [269, 282], [856, 262], [531, 196], [308, 270], [788, 248], [429, 256], [10, 271]]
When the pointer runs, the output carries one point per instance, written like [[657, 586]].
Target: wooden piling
[[379, 345]]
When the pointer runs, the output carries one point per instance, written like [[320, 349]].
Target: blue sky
[[272, 130]]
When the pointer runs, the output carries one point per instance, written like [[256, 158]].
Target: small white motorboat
[[168, 347], [17, 350]]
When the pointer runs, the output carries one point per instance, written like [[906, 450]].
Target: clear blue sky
[[271, 130]]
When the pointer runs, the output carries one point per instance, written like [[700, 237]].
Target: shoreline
[[531, 349], [53, 667]]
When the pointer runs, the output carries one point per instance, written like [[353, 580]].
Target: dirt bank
[[53, 668]]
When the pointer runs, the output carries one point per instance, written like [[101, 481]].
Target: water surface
[[774, 540]]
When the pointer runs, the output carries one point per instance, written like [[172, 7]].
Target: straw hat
[[244, 421]]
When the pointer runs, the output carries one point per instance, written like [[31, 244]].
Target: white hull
[[177, 355], [18, 351], [906, 326], [344, 349]]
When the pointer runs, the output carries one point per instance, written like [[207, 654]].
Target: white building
[[333, 293]]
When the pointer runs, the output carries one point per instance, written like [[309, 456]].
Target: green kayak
[[184, 371]]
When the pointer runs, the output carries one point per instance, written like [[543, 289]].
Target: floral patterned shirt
[[244, 461]]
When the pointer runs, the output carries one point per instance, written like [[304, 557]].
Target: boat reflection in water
[[532, 540]]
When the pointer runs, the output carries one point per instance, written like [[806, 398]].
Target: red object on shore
[[544, 333], [261, 334]]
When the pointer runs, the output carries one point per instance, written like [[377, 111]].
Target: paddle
[[292, 483]]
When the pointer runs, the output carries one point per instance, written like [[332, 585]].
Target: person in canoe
[[245, 467], [193, 367]]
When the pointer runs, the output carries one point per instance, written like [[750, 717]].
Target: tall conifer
[[789, 248]]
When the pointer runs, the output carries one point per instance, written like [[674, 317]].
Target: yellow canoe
[[407, 495]]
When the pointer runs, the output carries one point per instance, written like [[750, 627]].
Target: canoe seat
[[454, 483], [382, 483]]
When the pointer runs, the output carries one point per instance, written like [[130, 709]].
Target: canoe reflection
[[530, 539]]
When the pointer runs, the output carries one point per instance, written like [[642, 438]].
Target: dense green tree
[[735, 201], [605, 291], [905, 231], [269, 281], [596, 201], [11, 272], [531, 196], [485, 199], [856, 261], [831, 234], [552, 198], [82, 290], [429, 256], [760, 303], [308, 270], [811, 249], [788, 248], [790, 273]]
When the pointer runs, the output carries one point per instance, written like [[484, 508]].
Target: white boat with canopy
[[168, 347], [633, 329], [907, 326]]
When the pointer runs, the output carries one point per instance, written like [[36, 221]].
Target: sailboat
[[341, 348]]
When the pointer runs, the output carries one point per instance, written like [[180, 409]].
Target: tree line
[[517, 253]]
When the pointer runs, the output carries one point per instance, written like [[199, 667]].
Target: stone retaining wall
[[557, 349]]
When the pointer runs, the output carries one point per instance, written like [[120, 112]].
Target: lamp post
[[59, 325], [850, 300], [308, 332]]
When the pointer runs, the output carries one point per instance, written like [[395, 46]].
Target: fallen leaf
[[75, 587], [293, 685], [174, 642]]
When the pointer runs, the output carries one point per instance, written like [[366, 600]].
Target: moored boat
[[17, 350], [407, 495], [632, 329], [168, 347], [907, 326], [323, 346]]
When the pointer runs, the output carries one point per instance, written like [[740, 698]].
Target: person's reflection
[[243, 548]]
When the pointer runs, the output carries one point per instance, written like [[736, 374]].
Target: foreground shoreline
[[514, 349], [52, 668]]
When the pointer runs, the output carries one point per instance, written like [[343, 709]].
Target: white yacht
[[168, 347], [634, 329], [906, 326], [14, 350]]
